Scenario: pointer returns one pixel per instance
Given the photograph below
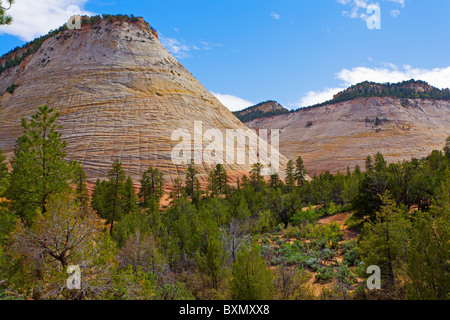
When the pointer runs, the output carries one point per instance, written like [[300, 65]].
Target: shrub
[[311, 263], [304, 217], [11, 88], [350, 252], [325, 274]]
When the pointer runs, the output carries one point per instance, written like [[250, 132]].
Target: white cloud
[[359, 8], [315, 97], [33, 18], [395, 13], [400, 2], [437, 77], [275, 15], [233, 103], [179, 48]]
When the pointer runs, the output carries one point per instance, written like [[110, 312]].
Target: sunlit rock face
[[120, 94], [333, 136]]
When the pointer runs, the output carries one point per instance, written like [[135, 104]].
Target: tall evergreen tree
[[369, 165], [380, 163], [384, 242], [251, 278], [300, 171], [447, 148], [4, 179], [289, 177], [152, 188], [38, 166], [429, 248], [190, 179], [81, 191], [256, 178], [129, 197], [113, 198]]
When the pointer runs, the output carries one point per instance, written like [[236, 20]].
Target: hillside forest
[[257, 238]]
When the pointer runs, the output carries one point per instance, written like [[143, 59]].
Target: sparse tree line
[[254, 239]]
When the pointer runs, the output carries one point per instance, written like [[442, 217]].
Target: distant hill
[[263, 109], [403, 121], [411, 89]]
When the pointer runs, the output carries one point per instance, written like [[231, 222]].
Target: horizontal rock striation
[[120, 95]]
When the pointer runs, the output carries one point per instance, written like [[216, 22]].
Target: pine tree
[[178, 188], [290, 171], [81, 191], [97, 196], [129, 197], [275, 180], [300, 171], [113, 198], [4, 18], [218, 179], [380, 163], [38, 166], [191, 180], [251, 278], [4, 179], [256, 178], [152, 188], [447, 148], [428, 252], [384, 242], [369, 165]]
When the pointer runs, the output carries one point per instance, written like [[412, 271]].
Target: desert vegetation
[[254, 238]]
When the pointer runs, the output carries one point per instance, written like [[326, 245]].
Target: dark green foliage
[[5, 18], [384, 241], [11, 88], [251, 113], [251, 278], [447, 148], [300, 171], [113, 204], [152, 188], [218, 180], [403, 90], [81, 191], [38, 166]]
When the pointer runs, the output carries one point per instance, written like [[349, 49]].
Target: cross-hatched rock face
[[333, 136], [120, 95]]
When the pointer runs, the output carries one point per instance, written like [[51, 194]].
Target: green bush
[[303, 217], [325, 274]]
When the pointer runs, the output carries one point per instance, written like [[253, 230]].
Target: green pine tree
[[38, 166], [384, 242], [129, 197], [289, 176], [113, 203], [152, 188], [251, 278], [300, 171], [5, 18]]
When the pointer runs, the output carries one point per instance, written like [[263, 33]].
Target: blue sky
[[297, 52]]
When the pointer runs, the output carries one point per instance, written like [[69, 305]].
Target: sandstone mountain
[[409, 121], [263, 109], [120, 94]]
